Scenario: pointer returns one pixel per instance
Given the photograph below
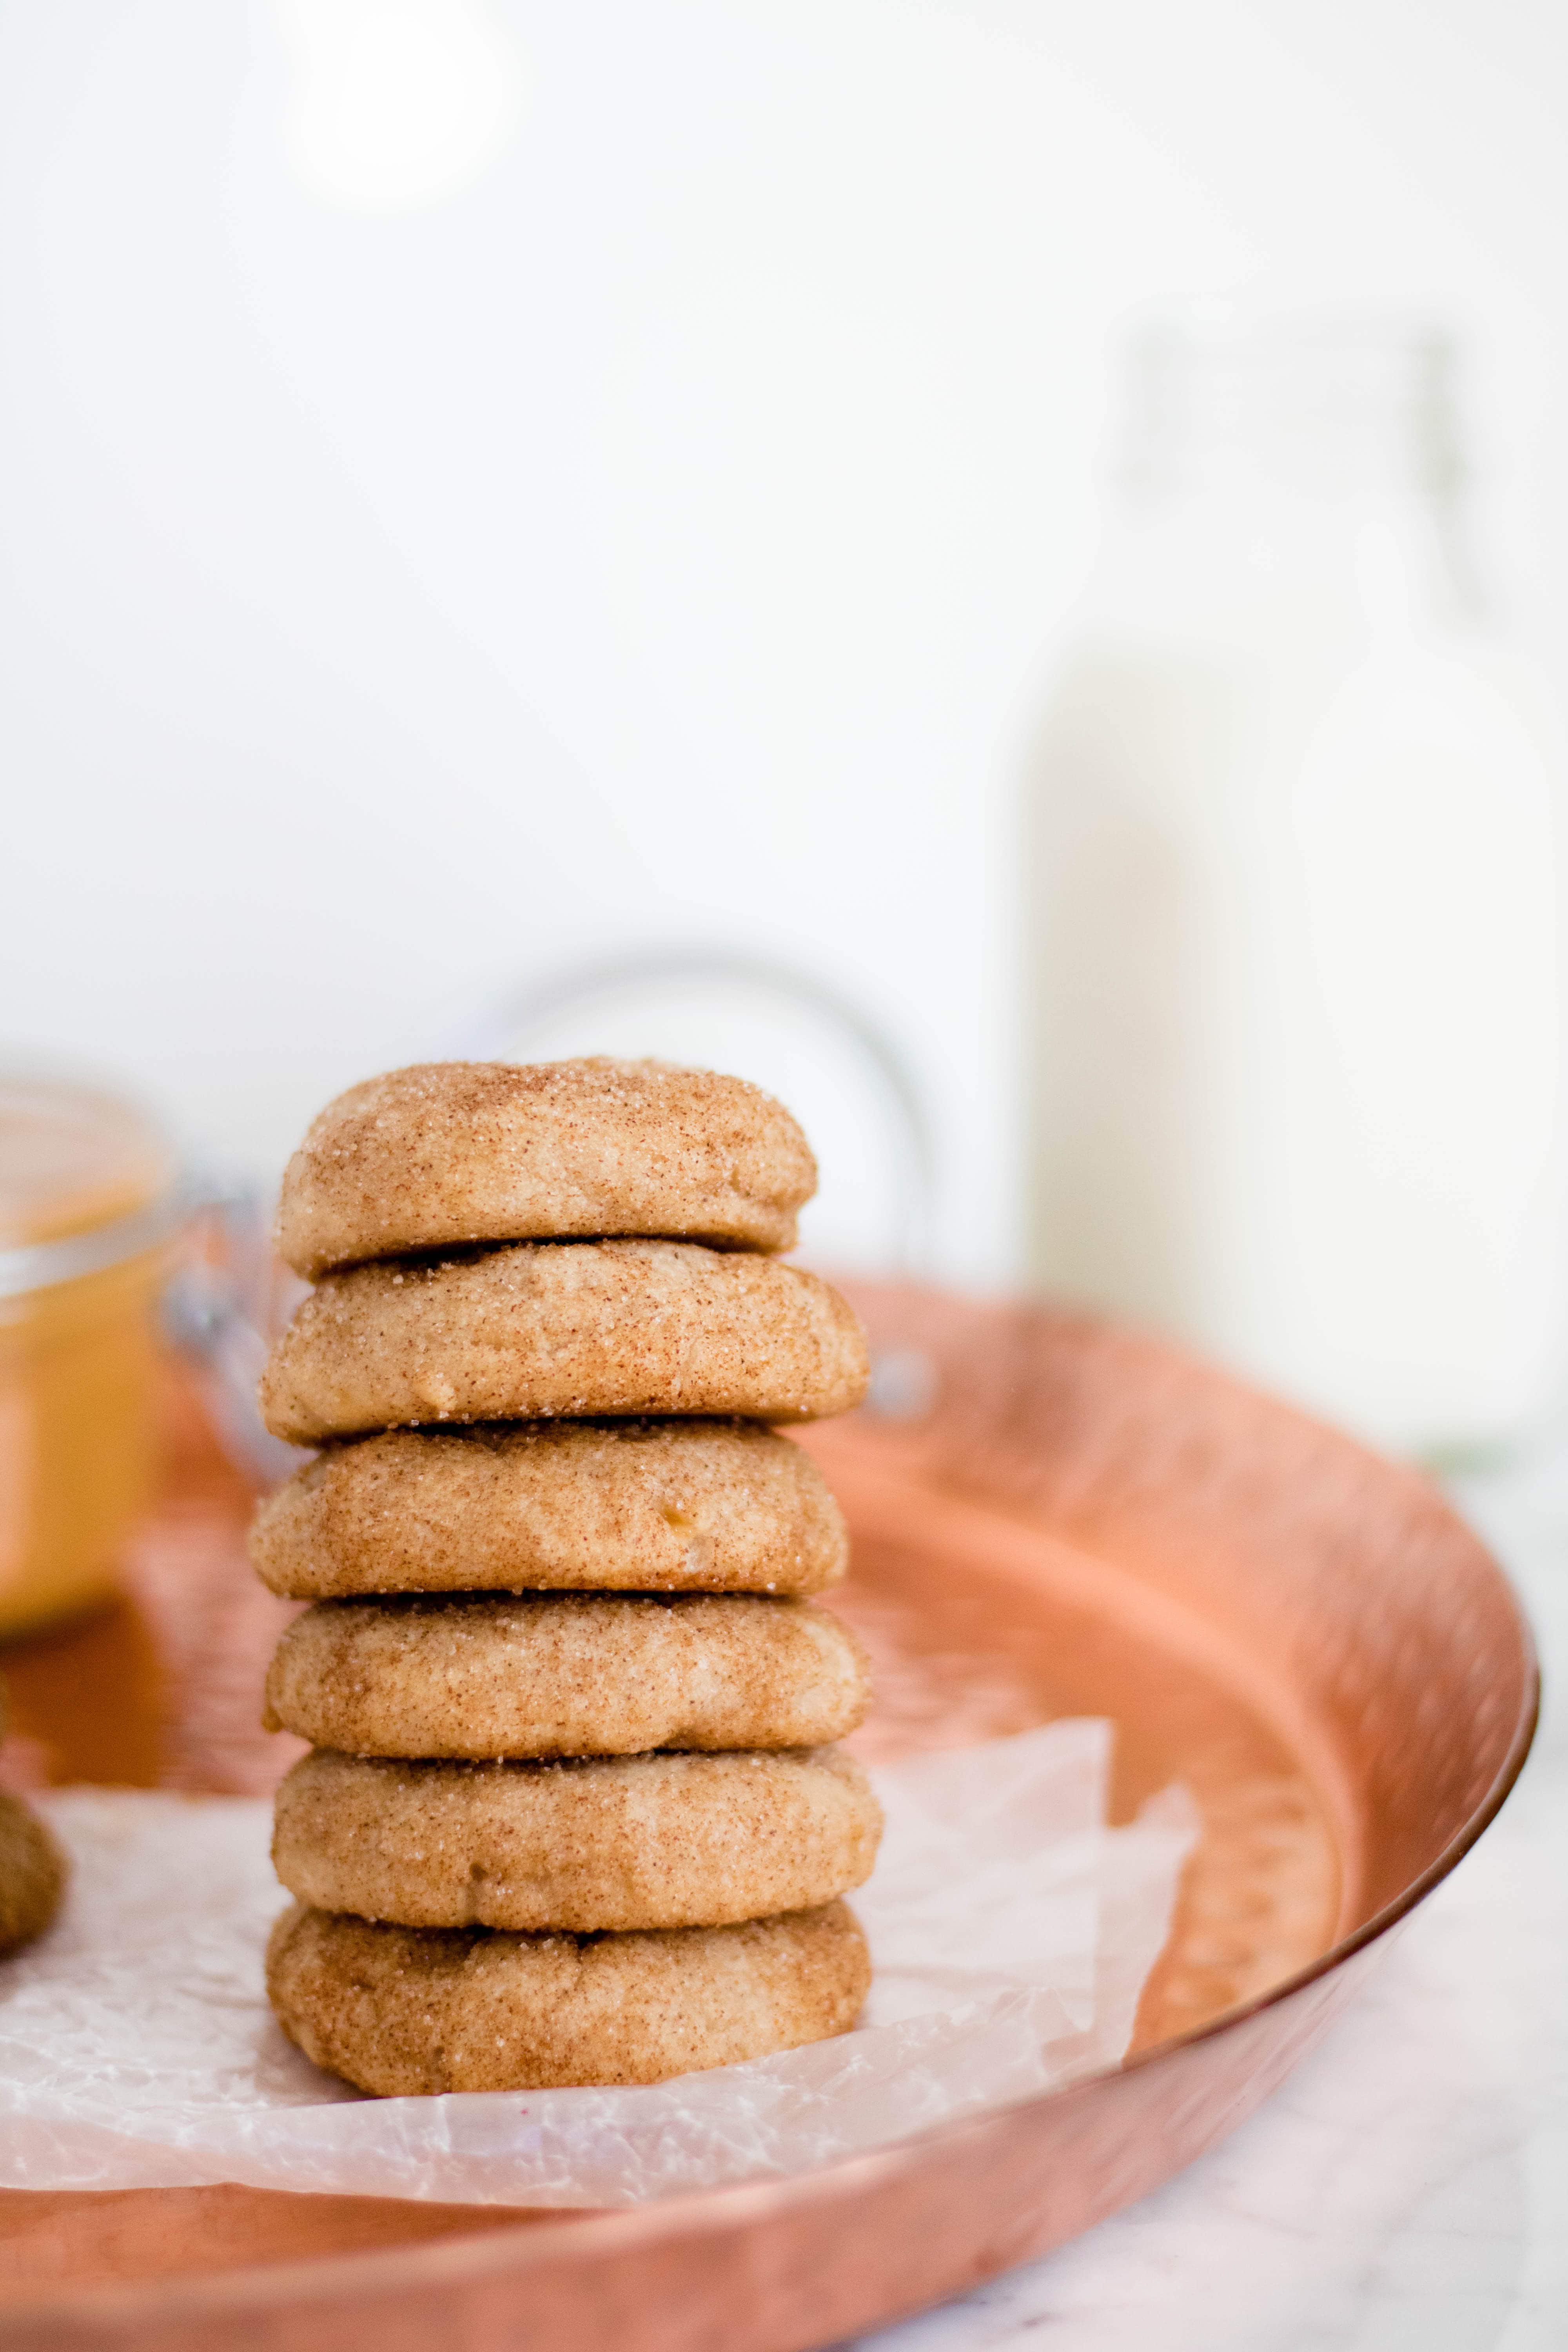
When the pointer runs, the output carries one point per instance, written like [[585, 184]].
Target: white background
[[612, 478]]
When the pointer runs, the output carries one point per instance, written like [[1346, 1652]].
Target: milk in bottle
[[1292, 912]]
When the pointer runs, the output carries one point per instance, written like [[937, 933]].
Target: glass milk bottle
[[1292, 919]]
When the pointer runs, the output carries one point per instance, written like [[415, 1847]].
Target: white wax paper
[[1011, 1932]]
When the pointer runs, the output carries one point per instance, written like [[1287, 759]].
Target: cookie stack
[[572, 1815]]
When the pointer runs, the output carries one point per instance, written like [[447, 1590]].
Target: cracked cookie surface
[[447, 1152], [565, 1674], [628, 1506], [611, 1843], [569, 1329], [403, 2012]]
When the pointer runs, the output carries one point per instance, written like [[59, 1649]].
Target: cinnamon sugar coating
[[401, 2012], [571, 1817], [614, 1843], [447, 1152], [639, 1507], [541, 1330], [565, 1674], [32, 1875]]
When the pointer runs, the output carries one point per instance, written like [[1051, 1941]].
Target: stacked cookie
[[572, 1815], [32, 1869]]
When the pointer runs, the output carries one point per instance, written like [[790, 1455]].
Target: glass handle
[[221, 1305]]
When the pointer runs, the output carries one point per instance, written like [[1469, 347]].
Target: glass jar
[[86, 1215], [1293, 979]]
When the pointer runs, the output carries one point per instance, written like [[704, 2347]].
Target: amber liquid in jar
[[85, 1188]]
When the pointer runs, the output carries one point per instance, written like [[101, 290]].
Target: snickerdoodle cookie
[[571, 1329], [32, 1875], [495, 1151], [567, 1673], [620, 1842], [406, 2013], [627, 1507]]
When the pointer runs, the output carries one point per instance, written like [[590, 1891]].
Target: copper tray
[[1082, 1521]]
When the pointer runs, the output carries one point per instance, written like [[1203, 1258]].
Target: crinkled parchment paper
[[1011, 1931]]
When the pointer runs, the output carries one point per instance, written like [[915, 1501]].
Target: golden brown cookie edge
[[33, 1874], [693, 1506], [462, 1677], [615, 1844], [402, 2012]]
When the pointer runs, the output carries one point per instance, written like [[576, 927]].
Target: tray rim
[[257, 2285], [499, 2251]]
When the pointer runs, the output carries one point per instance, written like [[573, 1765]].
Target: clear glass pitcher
[[1293, 899]]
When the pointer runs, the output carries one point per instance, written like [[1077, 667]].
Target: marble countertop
[[1406, 2191]]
